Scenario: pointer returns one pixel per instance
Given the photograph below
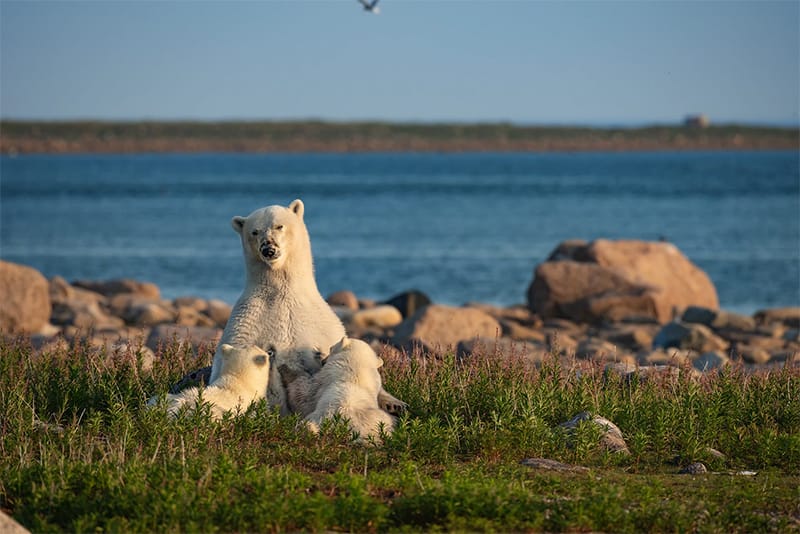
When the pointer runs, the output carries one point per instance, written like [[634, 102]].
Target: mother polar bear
[[281, 307]]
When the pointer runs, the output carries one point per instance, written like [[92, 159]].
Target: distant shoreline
[[37, 137]]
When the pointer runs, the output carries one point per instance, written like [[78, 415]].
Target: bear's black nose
[[268, 251]]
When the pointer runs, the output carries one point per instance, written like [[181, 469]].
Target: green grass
[[79, 452]]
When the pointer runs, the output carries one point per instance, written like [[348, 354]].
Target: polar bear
[[295, 369], [243, 379], [281, 305], [347, 384]]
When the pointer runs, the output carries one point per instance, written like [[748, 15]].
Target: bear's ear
[[378, 362], [227, 350], [341, 345], [297, 207], [238, 224]]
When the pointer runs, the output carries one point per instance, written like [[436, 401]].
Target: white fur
[[348, 384], [243, 380], [280, 306]]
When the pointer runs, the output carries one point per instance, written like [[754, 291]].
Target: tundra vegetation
[[20, 137], [80, 451]]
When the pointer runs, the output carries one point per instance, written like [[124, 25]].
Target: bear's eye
[[279, 227], [254, 232]]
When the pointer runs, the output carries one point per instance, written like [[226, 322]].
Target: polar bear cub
[[347, 384], [243, 380]]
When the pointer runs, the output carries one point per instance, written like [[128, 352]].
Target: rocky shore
[[629, 304]]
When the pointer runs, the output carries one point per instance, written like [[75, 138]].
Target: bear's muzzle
[[269, 251]]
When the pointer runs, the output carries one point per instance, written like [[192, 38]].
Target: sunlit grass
[[80, 452]]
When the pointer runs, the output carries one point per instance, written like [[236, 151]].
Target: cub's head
[[250, 363], [358, 352], [268, 233]]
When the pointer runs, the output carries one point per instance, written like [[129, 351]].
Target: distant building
[[696, 121]]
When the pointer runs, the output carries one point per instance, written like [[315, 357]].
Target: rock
[[709, 361], [219, 312], [787, 316], [611, 439], [84, 314], [508, 348], [344, 314], [194, 303], [515, 330], [9, 526], [696, 468], [151, 313], [560, 343], [189, 316], [611, 280], [597, 349], [691, 336], [409, 302], [199, 337], [674, 357], [552, 465], [718, 319], [344, 299], [632, 337], [110, 288], [25, 302], [437, 326], [383, 316], [754, 355]]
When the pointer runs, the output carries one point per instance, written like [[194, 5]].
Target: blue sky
[[425, 60]]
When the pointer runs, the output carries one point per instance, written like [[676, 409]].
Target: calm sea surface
[[460, 227]]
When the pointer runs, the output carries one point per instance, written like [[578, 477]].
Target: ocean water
[[460, 227]]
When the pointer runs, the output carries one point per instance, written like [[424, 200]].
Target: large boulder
[[438, 326], [613, 280], [25, 301]]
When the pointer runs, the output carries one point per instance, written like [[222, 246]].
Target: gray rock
[[787, 316], [611, 439], [696, 468], [552, 465], [709, 361], [409, 302], [689, 336]]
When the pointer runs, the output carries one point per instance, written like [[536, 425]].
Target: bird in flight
[[370, 5]]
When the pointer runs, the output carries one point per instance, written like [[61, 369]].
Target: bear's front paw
[[390, 403], [311, 426]]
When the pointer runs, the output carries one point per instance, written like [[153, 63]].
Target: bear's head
[[248, 366], [274, 236], [357, 352]]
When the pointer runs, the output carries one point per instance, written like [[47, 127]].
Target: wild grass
[[80, 452]]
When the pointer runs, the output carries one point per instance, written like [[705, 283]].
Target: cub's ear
[[378, 362], [238, 224], [341, 345], [297, 207], [227, 350]]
